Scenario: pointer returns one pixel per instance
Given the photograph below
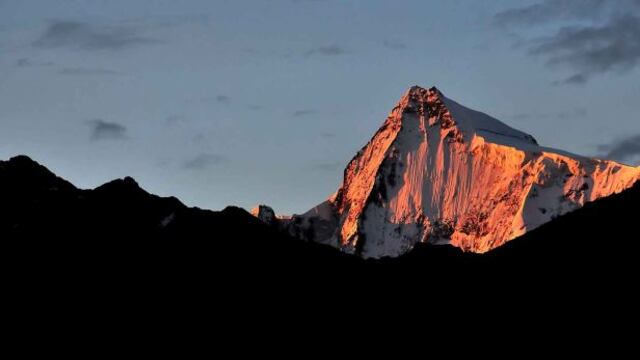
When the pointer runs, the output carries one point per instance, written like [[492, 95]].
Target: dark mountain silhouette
[[119, 217], [120, 230], [118, 260]]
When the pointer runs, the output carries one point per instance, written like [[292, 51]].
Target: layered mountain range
[[438, 172]]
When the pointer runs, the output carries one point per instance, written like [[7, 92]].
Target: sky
[[244, 102]]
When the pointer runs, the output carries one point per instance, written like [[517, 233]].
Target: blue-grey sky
[[265, 101]]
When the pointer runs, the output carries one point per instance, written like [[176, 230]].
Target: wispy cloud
[[591, 50], [328, 50], [623, 149], [104, 130], [394, 45], [86, 71], [589, 37], [176, 119], [223, 99], [205, 160], [26, 62], [85, 36], [328, 135], [303, 112], [553, 10], [23, 62], [577, 79]]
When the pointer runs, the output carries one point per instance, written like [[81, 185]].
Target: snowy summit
[[439, 172]]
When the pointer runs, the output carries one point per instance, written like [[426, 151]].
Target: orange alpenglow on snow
[[439, 172]]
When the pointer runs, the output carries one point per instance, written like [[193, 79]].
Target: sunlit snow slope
[[439, 172]]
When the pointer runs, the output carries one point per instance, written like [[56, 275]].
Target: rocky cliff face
[[441, 173]]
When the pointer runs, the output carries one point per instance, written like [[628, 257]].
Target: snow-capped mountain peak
[[448, 113], [439, 172]]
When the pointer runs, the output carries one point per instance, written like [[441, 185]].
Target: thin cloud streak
[[85, 36], [104, 130]]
